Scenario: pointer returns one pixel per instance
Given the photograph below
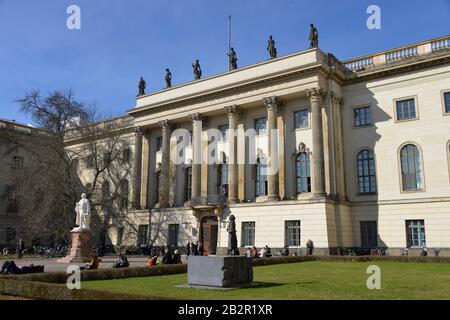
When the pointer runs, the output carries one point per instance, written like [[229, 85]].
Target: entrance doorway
[[208, 234]]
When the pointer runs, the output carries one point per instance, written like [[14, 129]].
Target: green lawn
[[307, 280]]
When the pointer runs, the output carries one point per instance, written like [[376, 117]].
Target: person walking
[[20, 247]]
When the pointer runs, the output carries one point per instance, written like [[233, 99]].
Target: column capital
[[316, 93], [197, 117], [166, 124], [336, 99], [234, 111], [273, 103]]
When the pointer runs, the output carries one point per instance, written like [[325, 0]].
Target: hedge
[[103, 274], [52, 291]]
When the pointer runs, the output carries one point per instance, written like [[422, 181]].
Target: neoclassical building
[[361, 147]]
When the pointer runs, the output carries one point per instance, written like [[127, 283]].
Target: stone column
[[196, 119], [318, 171], [234, 112], [145, 169], [137, 158], [273, 104], [165, 164]]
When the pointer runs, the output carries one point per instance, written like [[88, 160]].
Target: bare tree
[[74, 153]]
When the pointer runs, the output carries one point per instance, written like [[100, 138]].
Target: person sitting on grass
[[122, 262], [152, 261], [93, 264], [176, 258]]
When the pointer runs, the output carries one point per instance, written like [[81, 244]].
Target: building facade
[[361, 151], [14, 158]]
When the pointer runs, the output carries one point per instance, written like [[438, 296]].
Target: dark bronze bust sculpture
[[197, 70], [271, 48], [142, 86], [232, 239]]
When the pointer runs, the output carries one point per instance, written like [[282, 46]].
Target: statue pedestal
[[223, 272], [80, 247]]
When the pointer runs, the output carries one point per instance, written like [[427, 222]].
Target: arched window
[[261, 178], [366, 172], [222, 179], [188, 183], [124, 187], [303, 173], [411, 168]]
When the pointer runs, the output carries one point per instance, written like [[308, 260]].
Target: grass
[[307, 280]]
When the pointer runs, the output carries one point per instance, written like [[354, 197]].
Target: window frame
[[444, 111], [158, 144], [286, 233], [358, 193], [224, 134], [124, 151], [362, 106], [308, 116], [422, 166], [257, 129], [366, 222], [188, 183], [416, 107], [243, 233], [420, 226], [177, 235], [17, 165], [258, 181], [308, 160]]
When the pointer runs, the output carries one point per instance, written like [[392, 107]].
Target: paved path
[[51, 265]]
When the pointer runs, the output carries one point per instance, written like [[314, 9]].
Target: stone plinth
[[80, 247], [223, 272]]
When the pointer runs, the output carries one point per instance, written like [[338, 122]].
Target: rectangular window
[[292, 233], [90, 162], [188, 183], [17, 163], [224, 131], [301, 119], [126, 155], [362, 117], [248, 234], [173, 234], [447, 102], [415, 233], [406, 109], [369, 234], [107, 159], [261, 179], [142, 234], [261, 126], [158, 144]]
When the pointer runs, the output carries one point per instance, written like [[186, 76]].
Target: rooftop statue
[[197, 70], [313, 37], [142, 86], [271, 48]]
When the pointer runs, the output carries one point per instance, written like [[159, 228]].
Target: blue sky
[[120, 40]]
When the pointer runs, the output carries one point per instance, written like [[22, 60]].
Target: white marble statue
[[83, 210]]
